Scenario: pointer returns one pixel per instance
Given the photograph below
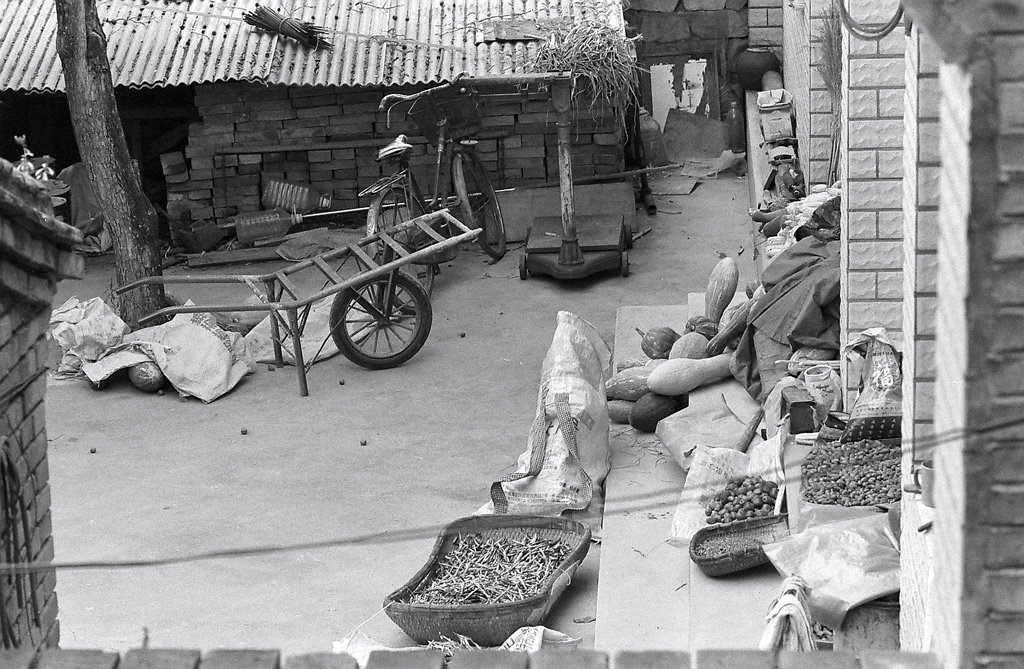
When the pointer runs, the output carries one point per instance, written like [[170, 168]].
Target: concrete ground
[[170, 477]]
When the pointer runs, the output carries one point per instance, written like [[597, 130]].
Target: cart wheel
[[383, 323], [624, 264], [629, 237], [523, 273]]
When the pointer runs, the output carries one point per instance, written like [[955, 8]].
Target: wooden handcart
[[380, 316]]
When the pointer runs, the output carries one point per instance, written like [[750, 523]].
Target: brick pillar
[[871, 161], [34, 252], [921, 161], [764, 18]]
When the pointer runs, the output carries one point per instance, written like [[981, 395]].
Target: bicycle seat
[[397, 147]]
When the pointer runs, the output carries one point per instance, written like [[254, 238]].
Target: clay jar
[[752, 64]]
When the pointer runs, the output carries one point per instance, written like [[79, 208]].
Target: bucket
[[874, 625]]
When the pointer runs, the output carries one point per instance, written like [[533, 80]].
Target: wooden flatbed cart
[[381, 315]]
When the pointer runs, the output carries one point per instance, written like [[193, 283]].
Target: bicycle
[[448, 115]]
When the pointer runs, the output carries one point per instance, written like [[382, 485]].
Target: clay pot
[[752, 64]]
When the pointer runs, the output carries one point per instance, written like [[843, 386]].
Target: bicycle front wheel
[[479, 203], [383, 323], [394, 206]]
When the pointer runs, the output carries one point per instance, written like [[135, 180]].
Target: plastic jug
[[293, 197]]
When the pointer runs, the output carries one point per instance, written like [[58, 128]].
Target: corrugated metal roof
[[376, 42]]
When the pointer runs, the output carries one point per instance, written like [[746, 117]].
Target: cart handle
[[390, 100]]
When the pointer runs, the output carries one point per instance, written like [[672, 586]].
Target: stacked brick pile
[[35, 254], [327, 137]]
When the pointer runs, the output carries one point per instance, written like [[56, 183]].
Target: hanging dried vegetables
[[491, 570]]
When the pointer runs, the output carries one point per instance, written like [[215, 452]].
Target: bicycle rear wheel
[[479, 203], [394, 206], [383, 323]]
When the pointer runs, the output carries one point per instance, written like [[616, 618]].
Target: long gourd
[[722, 283], [682, 375], [730, 330]]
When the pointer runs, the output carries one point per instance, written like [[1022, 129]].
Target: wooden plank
[[389, 240], [52, 658], [888, 659], [287, 285], [160, 658], [650, 659], [321, 661], [559, 659], [489, 659], [326, 269], [734, 659], [234, 257], [242, 659], [789, 659], [17, 658], [358, 252], [405, 659]]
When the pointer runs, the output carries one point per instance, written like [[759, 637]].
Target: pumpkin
[[701, 324], [691, 345], [619, 410], [721, 288], [629, 384], [731, 330], [657, 342], [682, 375], [651, 408], [146, 376]]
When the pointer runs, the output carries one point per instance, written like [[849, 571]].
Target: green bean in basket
[[491, 570]]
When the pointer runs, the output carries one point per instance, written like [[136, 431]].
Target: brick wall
[[801, 56], [871, 286], [920, 239], [485, 659], [327, 136], [34, 248], [766, 23]]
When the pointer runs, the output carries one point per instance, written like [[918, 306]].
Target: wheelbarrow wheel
[[479, 203], [394, 206], [382, 323]]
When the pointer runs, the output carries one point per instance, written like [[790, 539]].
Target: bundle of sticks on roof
[[308, 34]]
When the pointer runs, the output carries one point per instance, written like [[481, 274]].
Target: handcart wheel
[[624, 264], [383, 323], [479, 203], [523, 272], [394, 206]]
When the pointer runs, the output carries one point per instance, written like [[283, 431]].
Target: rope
[[861, 31]]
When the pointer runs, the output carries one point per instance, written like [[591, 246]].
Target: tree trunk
[[82, 47]]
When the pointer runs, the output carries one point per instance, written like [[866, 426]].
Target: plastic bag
[[789, 624], [532, 639], [567, 455], [844, 565], [707, 421], [196, 356], [878, 410], [84, 331], [710, 471]]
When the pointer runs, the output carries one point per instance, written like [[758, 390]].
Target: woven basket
[[753, 532], [488, 624]]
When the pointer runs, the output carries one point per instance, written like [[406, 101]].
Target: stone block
[[1004, 548], [890, 164], [734, 659], [875, 313], [765, 36], [928, 274], [862, 164], [876, 73], [890, 285], [406, 659], [160, 658], [488, 659], [869, 134], [757, 18], [865, 255], [861, 285], [580, 659], [891, 103], [882, 659], [862, 224], [876, 194], [242, 659], [52, 658], [660, 28], [703, 5], [1005, 634]]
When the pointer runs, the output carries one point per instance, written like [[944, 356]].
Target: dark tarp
[[800, 308]]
